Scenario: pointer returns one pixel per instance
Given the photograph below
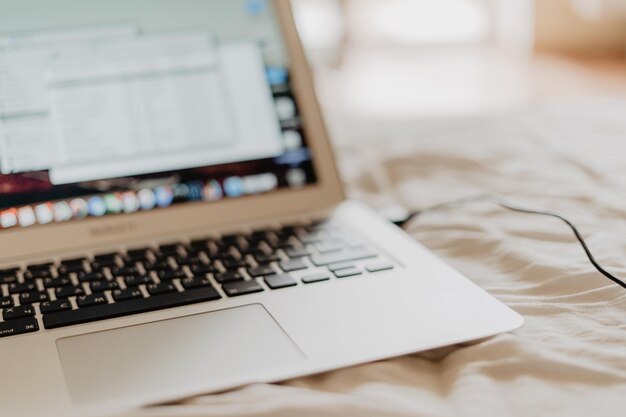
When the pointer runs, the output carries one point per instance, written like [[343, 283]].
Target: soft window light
[[423, 21]]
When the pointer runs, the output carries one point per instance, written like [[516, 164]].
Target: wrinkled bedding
[[569, 359]]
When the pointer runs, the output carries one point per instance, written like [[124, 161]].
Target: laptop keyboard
[[109, 285]]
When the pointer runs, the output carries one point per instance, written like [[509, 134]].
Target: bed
[[570, 357]]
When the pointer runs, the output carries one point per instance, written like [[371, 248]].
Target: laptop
[[172, 221]]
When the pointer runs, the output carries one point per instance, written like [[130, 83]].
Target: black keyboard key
[[15, 327], [223, 254], [282, 244], [169, 249], [347, 255], [341, 265], [194, 252], [188, 260], [227, 256], [309, 279], [100, 265], [195, 282], [234, 289], [36, 267], [234, 263], [253, 244], [136, 280], [286, 233], [52, 306], [157, 266], [69, 291], [230, 239], [6, 302], [68, 269], [90, 276], [8, 279], [73, 261], [11, 313], [37, 273], [20, 287], [261, 270], [326, 246], [293, 265], [199, 243], [122, 271], [280, 281], [159, 258], [100, 286], [316, 226], [228, 276], [294, 252], [311, 238], [33, 297], [106, 257], [90, 300], [266, 258], [126, 294], [258, 235], [135, 255], [221, 250], [57, 282], [288, 230], [142, 305], [252, 250], [9, 271], [347, 272], [379, 267], [203, 269], [171, 274], [161, 288]]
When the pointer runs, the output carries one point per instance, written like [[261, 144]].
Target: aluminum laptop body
[[148, 255]]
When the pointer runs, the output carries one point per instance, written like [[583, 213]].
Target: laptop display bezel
[[52, 239]]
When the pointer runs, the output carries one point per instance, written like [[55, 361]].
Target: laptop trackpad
[[170, 354]]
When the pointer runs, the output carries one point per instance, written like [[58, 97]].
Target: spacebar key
[[125, 308]]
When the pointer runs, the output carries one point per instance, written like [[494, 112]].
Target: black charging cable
[[490, 198]]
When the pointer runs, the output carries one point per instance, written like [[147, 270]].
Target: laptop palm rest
[[149, 358]]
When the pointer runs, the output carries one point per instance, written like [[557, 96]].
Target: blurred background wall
[[584, 27], [398, 59]]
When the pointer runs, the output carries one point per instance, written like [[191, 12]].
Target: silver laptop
[[172, 222]]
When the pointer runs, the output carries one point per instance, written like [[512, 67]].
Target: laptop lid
[[127, 119]]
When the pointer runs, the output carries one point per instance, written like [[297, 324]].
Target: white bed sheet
[[570, 357]]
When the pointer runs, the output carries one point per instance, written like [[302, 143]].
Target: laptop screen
[[121, 106]]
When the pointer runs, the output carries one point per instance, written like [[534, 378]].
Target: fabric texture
[[569, 359]]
